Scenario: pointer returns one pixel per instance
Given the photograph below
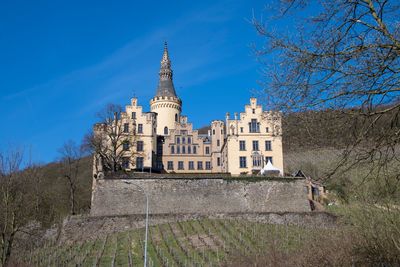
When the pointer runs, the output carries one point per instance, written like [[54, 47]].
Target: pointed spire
[[165, 58], [165, 85]]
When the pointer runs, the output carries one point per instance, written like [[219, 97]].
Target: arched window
[[176, 117], [166, 130]]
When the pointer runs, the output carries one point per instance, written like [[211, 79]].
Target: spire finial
[[165, 59]]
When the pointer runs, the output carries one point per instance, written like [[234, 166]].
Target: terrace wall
[[112, 197]]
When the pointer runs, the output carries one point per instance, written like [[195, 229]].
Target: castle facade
[[164, 140]]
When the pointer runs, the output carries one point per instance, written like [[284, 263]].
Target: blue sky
[[62, 61]]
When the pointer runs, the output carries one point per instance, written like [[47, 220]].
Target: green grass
[[203, 242]]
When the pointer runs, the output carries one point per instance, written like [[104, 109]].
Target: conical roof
[[165, 84]]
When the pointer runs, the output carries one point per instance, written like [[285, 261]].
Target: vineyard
[[203, 242]]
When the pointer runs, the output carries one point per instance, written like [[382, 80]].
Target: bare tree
[[342, 55], [15, 204], [71, 156], [109, 141]]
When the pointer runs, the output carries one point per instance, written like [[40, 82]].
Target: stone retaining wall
[[198, 196]]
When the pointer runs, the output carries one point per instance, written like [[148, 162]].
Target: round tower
[[166, 103]]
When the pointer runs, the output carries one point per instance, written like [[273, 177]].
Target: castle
[[164, 140]]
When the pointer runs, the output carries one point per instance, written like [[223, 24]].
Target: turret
[[166, 103]]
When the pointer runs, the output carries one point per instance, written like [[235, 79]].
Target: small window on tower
[[176, 117], [166, 130]]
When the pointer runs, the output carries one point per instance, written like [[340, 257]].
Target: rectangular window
[[183, 149], [139, 146], [140, 128], [133, 115], [194, 150], [170, 165], [189, 140], [178, 150], [191, 165], [199, 165], [159, 165], [208, 165], [218, 161], [139, 162], [125, 163], [178, 140], [254, 126], [183, 140], [207, 150], [255, 145], [126, 127], [242, 145], [267, 130], [268, 159], [268, 146], [257, 161], [241, 129], [180, 165], [242, 162], [218, 142], [125, 145], [189, 149], [159, 148], [172, 150]]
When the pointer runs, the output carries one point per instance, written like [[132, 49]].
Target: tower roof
[[165, 84]]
